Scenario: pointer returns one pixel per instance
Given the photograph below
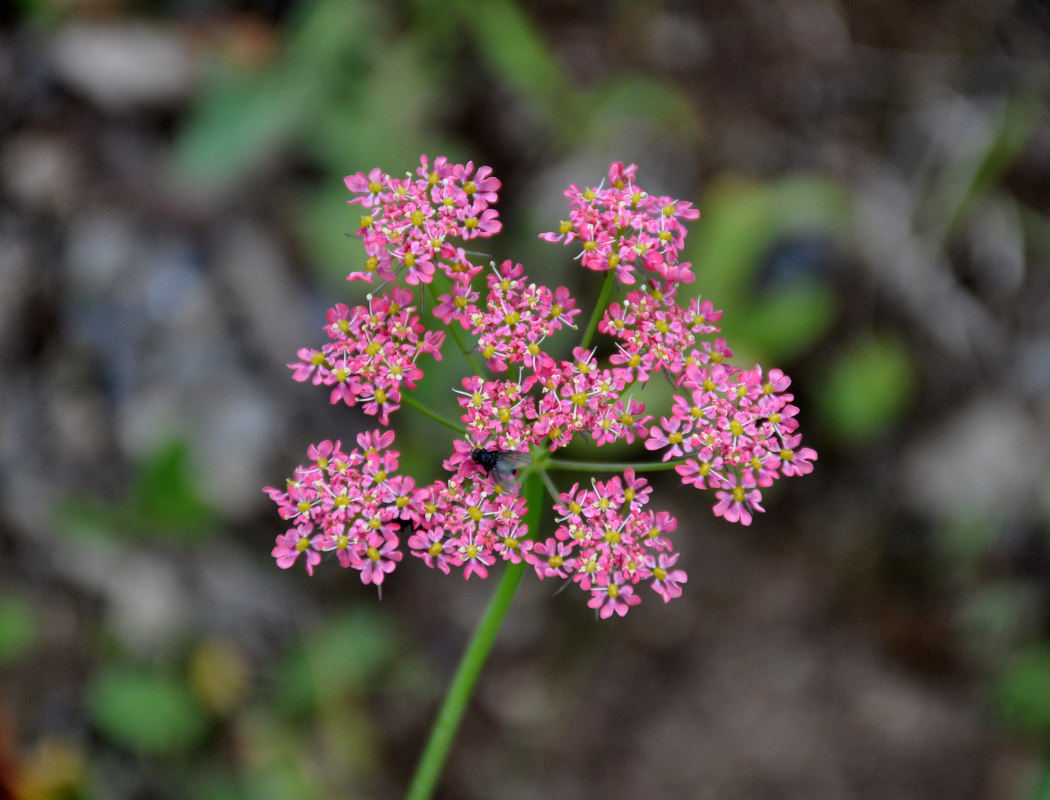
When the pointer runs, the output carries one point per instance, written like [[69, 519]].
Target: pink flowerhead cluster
[[735, 432], [516, 319], [728, 429], [622, 228], [607, 543], [467, 525], [372, 354], [654, 333], [347, 504], [409, 220]]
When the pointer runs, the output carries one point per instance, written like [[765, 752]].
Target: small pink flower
[[666, 581], [380, 557], [738, 499], [796, 462], [432, 546], [295, 543], [613, 598], [551, 559]]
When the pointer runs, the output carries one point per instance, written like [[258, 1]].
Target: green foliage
[[146, 712], [866, 390], [515, 51], [162, 503], [243, 118], [741, 222], [994, 618], [341, 658], [979, 165], [1023, 692], [17, 629]]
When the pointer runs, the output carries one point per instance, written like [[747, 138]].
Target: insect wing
[[504, 471], [507, 481], [511, 461]]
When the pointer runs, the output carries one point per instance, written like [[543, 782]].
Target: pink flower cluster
[[350, 504], [606, 544], [516, 319], [574, 396], [372, 355], [467, 525], [409, 219], [656, 334], [622, 228], [736, 432], [729, 429]]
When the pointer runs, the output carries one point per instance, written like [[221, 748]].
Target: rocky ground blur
[[823, 654]]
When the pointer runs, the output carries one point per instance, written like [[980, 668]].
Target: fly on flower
[[501, 465]]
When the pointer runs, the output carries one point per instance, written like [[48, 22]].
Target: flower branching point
[[729, 429]]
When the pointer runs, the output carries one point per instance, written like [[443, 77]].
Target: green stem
[[610, 466], [462, 687], [411, 402], [599, 309]]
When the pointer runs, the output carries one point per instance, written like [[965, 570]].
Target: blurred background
[[875, 186]]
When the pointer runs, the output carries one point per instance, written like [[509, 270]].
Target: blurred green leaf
[[515, 49], [214, 785], [742, 221], [867, 389], [242, 118], [968, 539], [788, 322], [164, 498], [610, 114], [996, 617], [17, 629], [146, 712], [983, 159], [162, 503], [341, 657], [240, 121], [1022, 692], [366, 129]]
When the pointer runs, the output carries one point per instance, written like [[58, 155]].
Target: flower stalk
[[460, 690]]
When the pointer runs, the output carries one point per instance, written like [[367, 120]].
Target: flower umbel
[[730, 429]]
